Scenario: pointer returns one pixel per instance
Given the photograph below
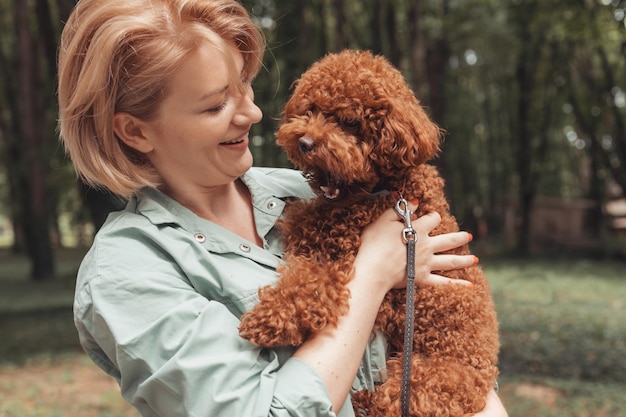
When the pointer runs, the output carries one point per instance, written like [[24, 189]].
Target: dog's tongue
[[330, 193], [331, 190]]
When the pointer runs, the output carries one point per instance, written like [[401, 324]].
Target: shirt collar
[[268, 187]]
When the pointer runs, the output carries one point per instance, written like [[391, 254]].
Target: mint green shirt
[[158, 301]]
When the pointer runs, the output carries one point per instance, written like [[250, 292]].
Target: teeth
[[230, 142], [327, 194]]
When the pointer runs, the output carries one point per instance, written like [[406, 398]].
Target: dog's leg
[[307, 298]]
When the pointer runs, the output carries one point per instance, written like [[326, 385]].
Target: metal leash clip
[[402, 209]]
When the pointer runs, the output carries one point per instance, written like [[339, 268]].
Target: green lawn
[[563, 333], [562, 318], [563, 326]]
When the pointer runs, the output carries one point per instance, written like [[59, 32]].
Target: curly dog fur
[[354, 127]]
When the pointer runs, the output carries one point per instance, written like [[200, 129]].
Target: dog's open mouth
[[330, 193], [330, 187]]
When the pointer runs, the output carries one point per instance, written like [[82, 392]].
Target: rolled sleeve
[[298, 387]]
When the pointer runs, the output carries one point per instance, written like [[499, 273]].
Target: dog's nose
[[306, 144]]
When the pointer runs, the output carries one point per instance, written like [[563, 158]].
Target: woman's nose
[[247, 111]]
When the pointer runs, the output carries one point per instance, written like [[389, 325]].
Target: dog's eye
[[349, 123]]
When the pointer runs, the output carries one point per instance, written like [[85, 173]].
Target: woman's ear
[[131, 131]]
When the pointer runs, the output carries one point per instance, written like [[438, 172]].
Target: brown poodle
[[356, 130]]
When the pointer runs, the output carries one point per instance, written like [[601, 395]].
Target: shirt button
[[244, 247], [200, 237], [271, 205]]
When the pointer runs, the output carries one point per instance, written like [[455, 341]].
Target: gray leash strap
[[410, 237], [408, 328]]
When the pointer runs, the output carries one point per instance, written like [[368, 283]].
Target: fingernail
[[415, 202], [470, 285], [476, 260], [470, 236]]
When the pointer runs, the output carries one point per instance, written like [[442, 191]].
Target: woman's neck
[[229, 206]]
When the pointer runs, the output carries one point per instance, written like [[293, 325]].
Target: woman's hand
[[383, 250]]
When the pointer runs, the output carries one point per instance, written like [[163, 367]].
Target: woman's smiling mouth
[[235, 141]]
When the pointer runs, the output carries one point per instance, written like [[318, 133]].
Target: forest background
[[531, 94]]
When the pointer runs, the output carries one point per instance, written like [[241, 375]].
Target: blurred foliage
[[531, 94]]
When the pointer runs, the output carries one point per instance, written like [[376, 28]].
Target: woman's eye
[[218, 108]]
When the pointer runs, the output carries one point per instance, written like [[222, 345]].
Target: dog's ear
[[407, 135]]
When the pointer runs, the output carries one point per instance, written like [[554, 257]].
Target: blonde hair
[[117, 56]]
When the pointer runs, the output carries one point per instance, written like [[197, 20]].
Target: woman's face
[[199, 137]]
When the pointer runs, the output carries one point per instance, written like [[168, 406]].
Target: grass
[[525, 396], [564, 318], [563, 334], [563, 326], [60, 385]]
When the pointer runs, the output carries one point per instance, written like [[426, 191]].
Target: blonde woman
[[156, 106]]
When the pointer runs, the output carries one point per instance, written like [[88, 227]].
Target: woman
[[156, 106]]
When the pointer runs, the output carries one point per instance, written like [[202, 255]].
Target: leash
[[410, 237]]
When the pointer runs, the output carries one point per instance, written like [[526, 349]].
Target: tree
[[32, 192], [27, 124], [528, 91], [597, 88]]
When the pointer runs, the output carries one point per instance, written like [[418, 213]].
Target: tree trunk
[[437, 57], [415, 38], [34, 202], [49, 36], [524, 84], [391, 29], [377, 15], [608, 81], [525, 77], [340, 40], [619, 127]]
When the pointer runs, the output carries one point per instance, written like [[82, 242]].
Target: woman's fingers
[[439, 261], [449, 262], [434, 279], [449, 241], [426, 223]]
